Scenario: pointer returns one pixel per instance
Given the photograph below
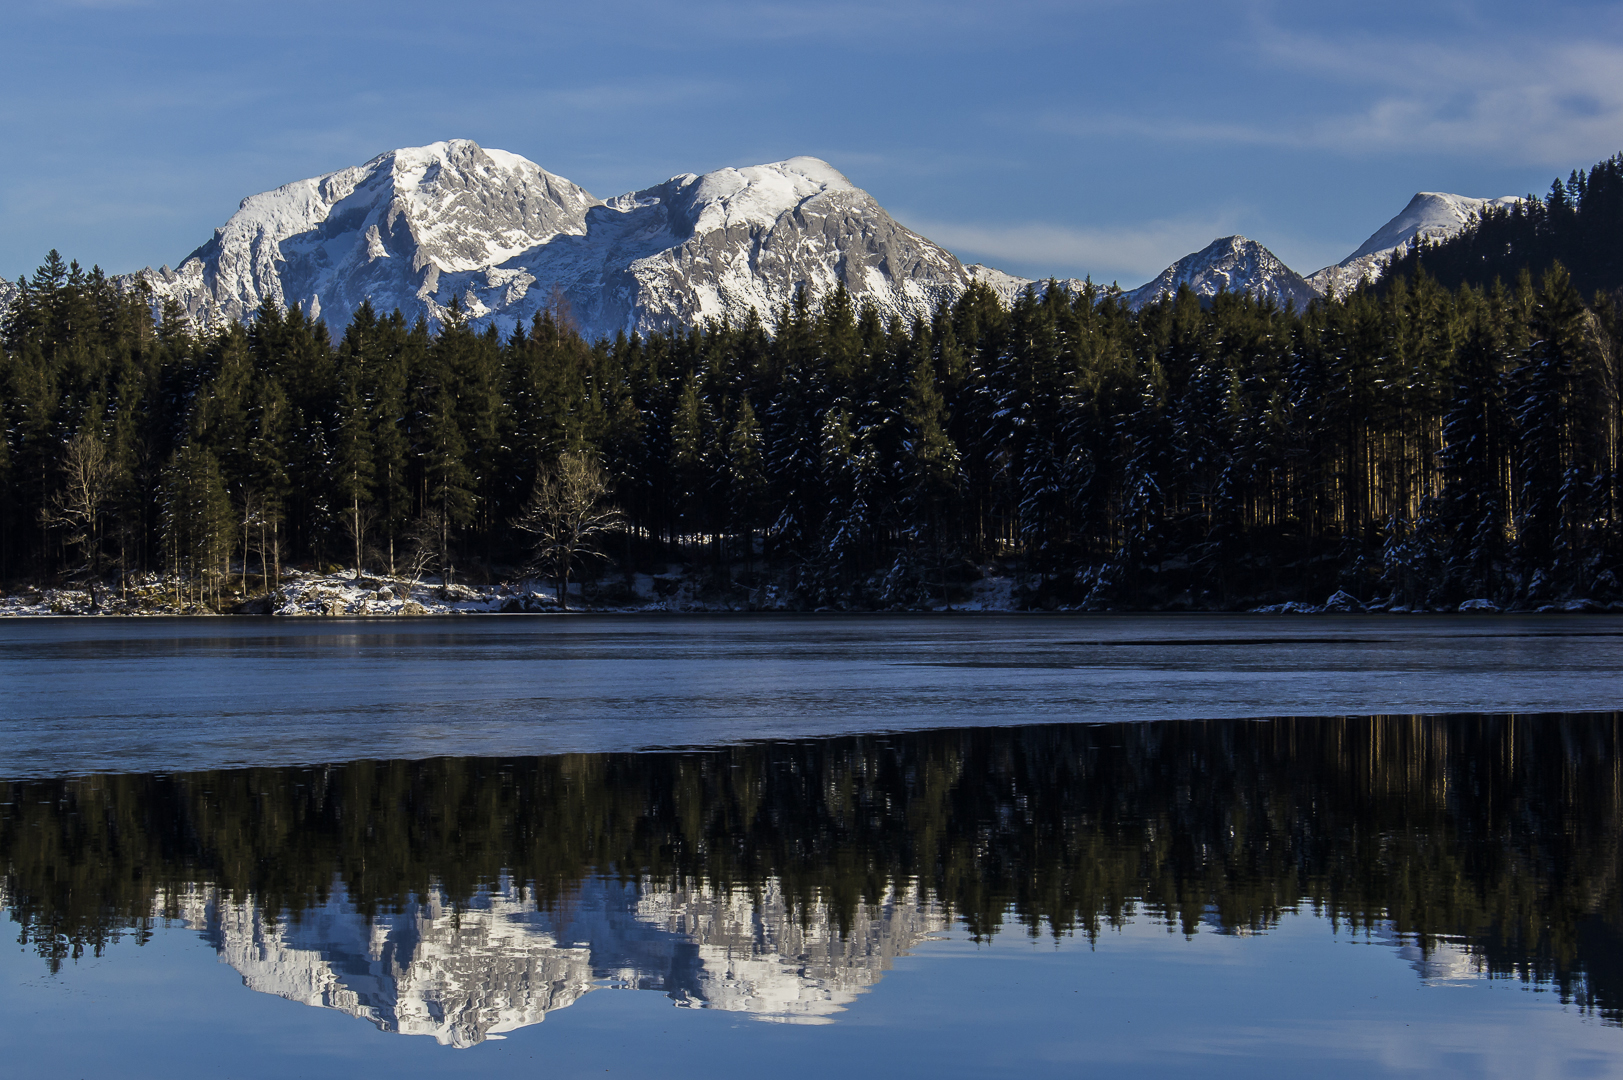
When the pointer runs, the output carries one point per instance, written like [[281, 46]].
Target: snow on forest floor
[[346, 594], [342, 593]]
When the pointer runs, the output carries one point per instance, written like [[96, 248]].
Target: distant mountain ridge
[[1237, 264], [423, 229]]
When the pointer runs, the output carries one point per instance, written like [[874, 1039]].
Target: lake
[[1026, 846]]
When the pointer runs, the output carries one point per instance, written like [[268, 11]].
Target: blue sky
[[1101, 136]]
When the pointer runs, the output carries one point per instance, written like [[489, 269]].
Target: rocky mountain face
[[1231, 264], [1430, 215], [704, 247], [415, 229], [385, 231]]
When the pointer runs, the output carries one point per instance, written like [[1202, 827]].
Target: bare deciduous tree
[[87, 474], [358, 521], [262, 514], [568, 518], [427, 544]]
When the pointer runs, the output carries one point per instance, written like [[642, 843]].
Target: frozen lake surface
[[158, 694]]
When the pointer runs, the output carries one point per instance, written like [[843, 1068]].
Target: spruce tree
[[1553, 505], [746, 476], [354, 461], [197, 522]]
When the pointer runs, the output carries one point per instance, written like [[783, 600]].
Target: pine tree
[[354, 460], [931, 463], [1474, 454], [197, 521], [1553, 506], [746, 475], [268, 484], [449, 483], [391, 373], [690, 465]]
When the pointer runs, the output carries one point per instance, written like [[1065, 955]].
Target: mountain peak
[[383, 231], [1430, 215], [1233, 264], [755, 195]]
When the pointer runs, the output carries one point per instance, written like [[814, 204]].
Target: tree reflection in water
[[464, 896]]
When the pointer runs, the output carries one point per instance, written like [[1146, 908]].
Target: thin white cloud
[[1526, 100], [1530, 99], [1130, 255]]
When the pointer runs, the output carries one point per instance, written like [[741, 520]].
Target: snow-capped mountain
[[8, 293], [499, 962], [414, 228], [1231, 264], [386, 230], [1430, 215]]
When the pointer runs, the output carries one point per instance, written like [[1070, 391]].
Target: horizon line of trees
[[1423, 443]]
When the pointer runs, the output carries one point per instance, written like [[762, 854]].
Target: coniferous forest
[[1415, 445]]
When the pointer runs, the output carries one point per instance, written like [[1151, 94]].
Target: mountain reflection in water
[[495, 962], [462, 897]]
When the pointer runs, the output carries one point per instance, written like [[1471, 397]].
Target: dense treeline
[[1425, 446], [1499, 831], [1579, 225]]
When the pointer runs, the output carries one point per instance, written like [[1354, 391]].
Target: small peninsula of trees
[[1415, 445]]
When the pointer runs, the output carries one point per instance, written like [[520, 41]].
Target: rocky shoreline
[[346, 594]]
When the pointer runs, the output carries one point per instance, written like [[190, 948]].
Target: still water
[[87, 695], [804, 847]]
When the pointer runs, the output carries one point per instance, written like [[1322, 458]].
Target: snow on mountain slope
[[1231, 264], [1431, 215], [8, 293], [1008, 287], [707, 247], [415, 228], [385, 230]]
